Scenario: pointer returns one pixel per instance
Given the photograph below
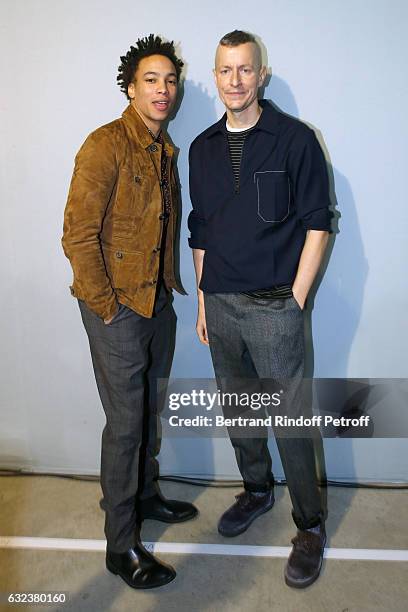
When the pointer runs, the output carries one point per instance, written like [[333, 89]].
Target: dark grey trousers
[[128, 357], [264, 339]]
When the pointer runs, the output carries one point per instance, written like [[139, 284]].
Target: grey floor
[[43, 506]]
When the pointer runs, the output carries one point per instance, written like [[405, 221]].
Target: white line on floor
[[362, 554]]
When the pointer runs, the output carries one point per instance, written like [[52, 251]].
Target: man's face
[[153, 91], [238, 75]]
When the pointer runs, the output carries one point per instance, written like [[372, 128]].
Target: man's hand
[[299, 299], [310, 260], [201, 326], [109, 321]]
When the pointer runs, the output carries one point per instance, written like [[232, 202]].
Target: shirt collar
[[139, 130], [268, 121]]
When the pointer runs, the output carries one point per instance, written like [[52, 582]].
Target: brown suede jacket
[[113, 220]]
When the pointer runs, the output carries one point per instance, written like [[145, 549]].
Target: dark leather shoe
[[139, 569], [305, 560], [246, 509], [166, 510]]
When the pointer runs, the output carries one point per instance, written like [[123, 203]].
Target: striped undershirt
[[236, 141]]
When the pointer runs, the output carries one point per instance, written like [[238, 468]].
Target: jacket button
[[152, 148], [138, 179], [156, 249], [163, 216], [153, 282], [119, 254]]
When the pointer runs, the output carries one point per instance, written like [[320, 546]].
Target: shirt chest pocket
[[273, 195]]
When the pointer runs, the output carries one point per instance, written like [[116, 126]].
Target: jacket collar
[[140, 132], [268, 121]]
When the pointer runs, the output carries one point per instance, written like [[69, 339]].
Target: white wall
[[339, 65]]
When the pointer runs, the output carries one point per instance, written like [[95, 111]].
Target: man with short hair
[[259, 227], [120, 235]]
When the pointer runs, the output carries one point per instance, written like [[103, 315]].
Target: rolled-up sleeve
[[310, 183], [196, 220]]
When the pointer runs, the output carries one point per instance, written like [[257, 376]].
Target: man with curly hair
[[120, 229]]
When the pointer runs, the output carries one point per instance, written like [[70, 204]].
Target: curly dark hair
[[144, 47]]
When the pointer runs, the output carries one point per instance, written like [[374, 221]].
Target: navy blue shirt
[[253, 236]]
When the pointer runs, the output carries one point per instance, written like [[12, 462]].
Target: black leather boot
[[246, 509], [139, 568], [167, 510], [305, 560]]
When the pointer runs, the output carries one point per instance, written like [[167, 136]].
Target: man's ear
[[131, 90], [262, 75]]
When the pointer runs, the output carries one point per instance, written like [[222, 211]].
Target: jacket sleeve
[[308, 172], [92, 184], [196, 221]]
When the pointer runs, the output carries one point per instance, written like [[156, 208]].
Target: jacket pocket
[[123, 226], [273, 195], [135, 189], [124, 268]]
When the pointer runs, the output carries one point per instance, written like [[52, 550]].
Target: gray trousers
[[128, 357], [264, 339]]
